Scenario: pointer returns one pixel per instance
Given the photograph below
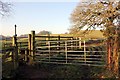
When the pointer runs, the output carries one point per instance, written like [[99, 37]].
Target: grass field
[[93, 34]]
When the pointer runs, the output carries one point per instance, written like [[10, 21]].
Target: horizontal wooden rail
[[67, 51], [53, 36], [75, 50], [22, 42], [58, 40], [22, 37]]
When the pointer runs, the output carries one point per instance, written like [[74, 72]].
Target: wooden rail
[[53, 50], [69, 47], [9, 57], [67, 56]]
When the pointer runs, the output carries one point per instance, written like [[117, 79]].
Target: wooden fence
[[57, 49], [64, 50], [9, 57]]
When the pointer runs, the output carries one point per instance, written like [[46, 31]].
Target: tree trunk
[[115, 60], [109, 53]]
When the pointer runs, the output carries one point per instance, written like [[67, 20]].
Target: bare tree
[[101, 15], [5, 8]]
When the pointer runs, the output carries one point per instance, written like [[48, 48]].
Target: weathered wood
[[32, 53], [72, 44], [46, 39], [32, 43], [67, 47], [29, 43], [15, 53], [80, 42], [76, 43], [66, 51], [49, 50], [26, 56], [54, 36], [84, 52], [58, 48], [29, 48]]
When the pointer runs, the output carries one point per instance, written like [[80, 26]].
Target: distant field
[[92, 34], [95, 34]]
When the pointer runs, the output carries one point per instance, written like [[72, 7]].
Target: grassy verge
[[70, 72]]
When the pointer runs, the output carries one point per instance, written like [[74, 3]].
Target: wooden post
[[76, 43], [79, 42], [29, 48], [84, 52], [29, 43], [71, 43], [15, 53], [47, 39], [66, 50], [32, 46], [49, 49], [58, 42], [25, 58]]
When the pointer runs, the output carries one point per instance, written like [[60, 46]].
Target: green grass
[[93, 34], [70, 72]]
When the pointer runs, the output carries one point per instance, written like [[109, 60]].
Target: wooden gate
[[66, 50]]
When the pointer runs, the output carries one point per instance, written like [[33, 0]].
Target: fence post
[[15, 53], [29, 48], [79, 42], [58, 42], [49, 49], [72, 44], [66, 50], [76, 43], [25, 58], [47, 38], [32, 53], [29, 43], [84, 52]]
